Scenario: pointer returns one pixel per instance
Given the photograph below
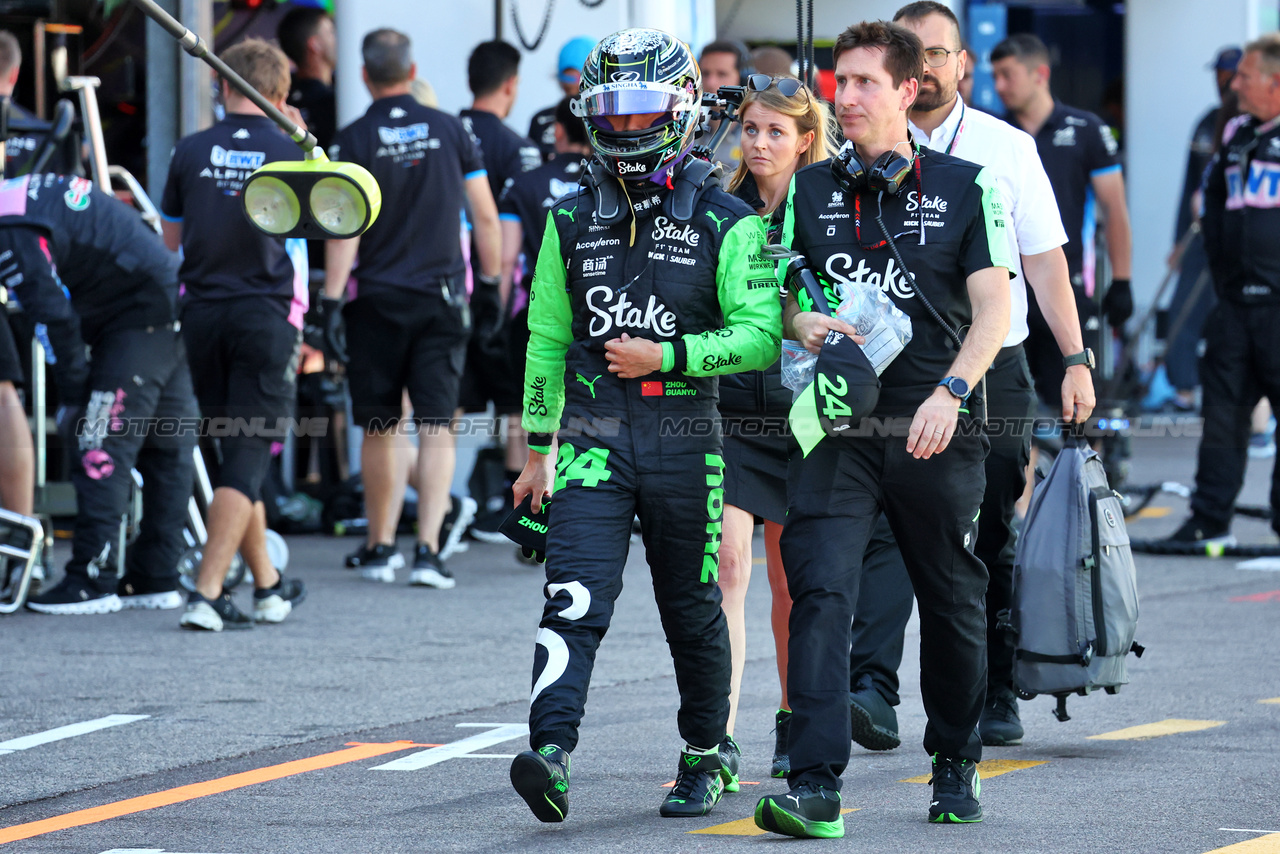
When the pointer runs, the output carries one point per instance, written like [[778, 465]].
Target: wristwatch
[[957, 386], [1084, 357]]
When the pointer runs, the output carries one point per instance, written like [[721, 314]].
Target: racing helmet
[[636, 72]]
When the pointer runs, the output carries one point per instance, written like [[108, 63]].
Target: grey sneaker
[[429, 570], [273, 604], [213, 615], [380, 563]]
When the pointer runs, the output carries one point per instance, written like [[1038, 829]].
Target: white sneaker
[[152, 601]]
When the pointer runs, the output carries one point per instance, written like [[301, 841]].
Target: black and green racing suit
[[647, 447]]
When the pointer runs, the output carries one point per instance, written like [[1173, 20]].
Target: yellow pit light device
[[311, 198]]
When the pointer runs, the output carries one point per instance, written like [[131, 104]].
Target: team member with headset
[[649, 284], [132, 406], [785, 127], [928, 229], [942, 121]]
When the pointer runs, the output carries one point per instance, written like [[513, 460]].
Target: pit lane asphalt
[[375, 664]]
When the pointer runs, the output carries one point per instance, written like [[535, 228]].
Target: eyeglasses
[[937, 57], [787, 86]]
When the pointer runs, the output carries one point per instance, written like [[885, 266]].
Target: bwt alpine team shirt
[[1075, 147], [948, 224], [1242, 213], [422, 159], [223, 255], [528, 197]]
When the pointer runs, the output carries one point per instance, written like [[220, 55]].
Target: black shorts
[[398, 341], [756, 449], [244, 358], [495, 370], [10, 364]]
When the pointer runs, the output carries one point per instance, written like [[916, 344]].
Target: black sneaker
[[135, 591], [213, 615], [956, 787], [429, 570], [273, 604], [807, 812], [781, 744], [73, 595], [730, 760], [1000, 725], [486, 525], [1201, 531], [378, 563], [698, 786], [542, 778], [454, 527], [873, 721]]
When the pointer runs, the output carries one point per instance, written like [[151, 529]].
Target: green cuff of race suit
[[675, 356], [540, 442]]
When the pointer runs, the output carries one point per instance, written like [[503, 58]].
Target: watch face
[[958, 387]]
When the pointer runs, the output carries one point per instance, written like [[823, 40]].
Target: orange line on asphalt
[[79, 818]]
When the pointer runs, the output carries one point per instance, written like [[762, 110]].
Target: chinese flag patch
[[651, 389]]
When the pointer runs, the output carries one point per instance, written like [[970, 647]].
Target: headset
[[889, 173]]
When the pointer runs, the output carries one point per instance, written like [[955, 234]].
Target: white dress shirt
[[1010, 156]]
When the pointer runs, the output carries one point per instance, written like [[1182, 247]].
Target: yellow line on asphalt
[[744, 827], [1154, 512], [988, 769], [1275, 700], [1269, 844], [1155, 730]]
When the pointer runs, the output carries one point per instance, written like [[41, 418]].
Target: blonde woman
[[784, 128]]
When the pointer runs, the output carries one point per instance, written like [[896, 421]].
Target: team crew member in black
[[642, 295], [522, 211], [948, 221], [493, 75], [569, 74], [242, 321], [1242, 336], [308, 38], [1079, 154], [407, 324], [785, 127], [21, 149], [134, 408]]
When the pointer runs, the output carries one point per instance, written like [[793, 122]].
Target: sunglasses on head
[[787, 86]]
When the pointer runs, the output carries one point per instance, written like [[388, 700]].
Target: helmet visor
[[629, 99]]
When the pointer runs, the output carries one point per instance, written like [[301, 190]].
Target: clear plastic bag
[[885, 327]]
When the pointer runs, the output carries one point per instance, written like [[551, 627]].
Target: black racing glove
[[533, 554], [1118, 303], [486, 309], [332, 327]]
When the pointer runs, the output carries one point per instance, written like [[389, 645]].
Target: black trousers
[[141, 414], [884, 603], [837, 494], [675, 485], [1241, 364]]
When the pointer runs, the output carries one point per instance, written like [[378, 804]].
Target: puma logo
[[591, 386], [794, 798], [569, 213], [717, 220]]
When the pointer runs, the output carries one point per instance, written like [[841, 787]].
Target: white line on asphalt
[[69, 731], [487, 756], [139, 851], [1263, 564], [497, 734], [1242, 830]]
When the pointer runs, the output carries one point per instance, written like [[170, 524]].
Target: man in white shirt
[[940, 120]]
